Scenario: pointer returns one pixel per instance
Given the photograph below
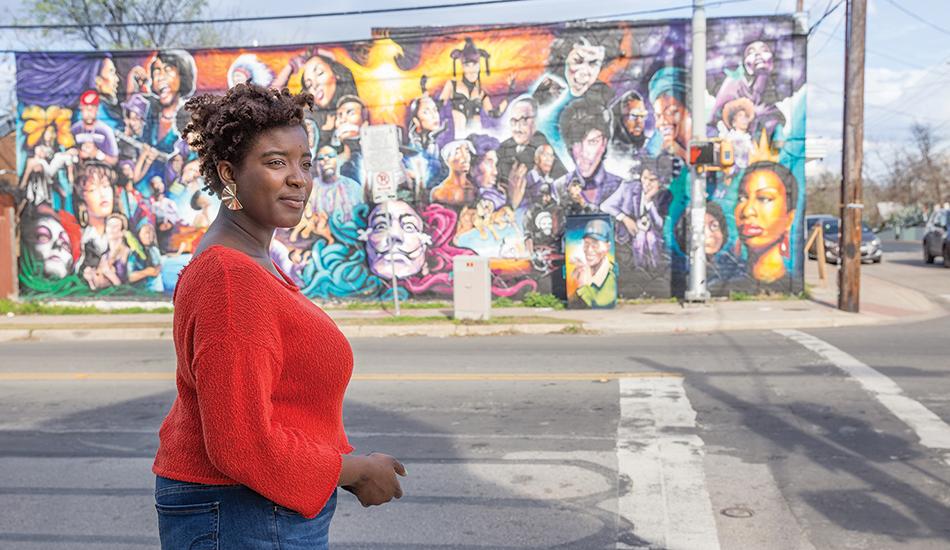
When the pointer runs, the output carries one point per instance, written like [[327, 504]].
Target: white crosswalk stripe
[[930, 428], [660, 454]]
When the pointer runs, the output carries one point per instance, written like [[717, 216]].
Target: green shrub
[[503, 301], [535, 299]]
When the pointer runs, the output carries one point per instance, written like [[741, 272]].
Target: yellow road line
[[368, 377]]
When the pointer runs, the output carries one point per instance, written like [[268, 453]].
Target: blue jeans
[[193, 516]]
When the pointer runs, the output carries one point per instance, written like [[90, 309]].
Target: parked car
[[810, 222], [937, 237], [870, 244]]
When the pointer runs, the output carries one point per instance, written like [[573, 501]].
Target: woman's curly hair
[[224, 127]]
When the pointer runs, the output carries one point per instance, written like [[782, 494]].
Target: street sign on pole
[[382, 165]]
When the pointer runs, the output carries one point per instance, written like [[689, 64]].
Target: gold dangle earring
[[229, 197]]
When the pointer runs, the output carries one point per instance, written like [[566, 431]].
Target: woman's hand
[[372, 478]]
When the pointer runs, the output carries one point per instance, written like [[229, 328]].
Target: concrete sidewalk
[[882, 303]]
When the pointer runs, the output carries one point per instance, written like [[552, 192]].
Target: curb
[[350, 331]]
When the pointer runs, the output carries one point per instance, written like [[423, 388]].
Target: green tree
[[154, 31]]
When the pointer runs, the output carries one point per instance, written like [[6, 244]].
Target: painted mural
[[506, 132], [591, 262]]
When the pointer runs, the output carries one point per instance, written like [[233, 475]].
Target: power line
[[346, 13], [61, 26], [918, 18], [833, 34], [828, 11], [875, 52], [429, 32], [675, 8]]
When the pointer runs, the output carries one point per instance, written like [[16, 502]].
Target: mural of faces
[[522, 121], [758, 58], [319, 80], [670, 116], [544, 158], [396, 242], [349, 119], [327, 163], [492, 162], [635, 117], [51, 244], [589, 152], [460, 159], [583, 66], [763, 214], [107, 81], [98, 194], [166, 82], [486, 173], [427, 115]]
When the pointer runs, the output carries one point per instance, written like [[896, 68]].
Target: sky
[[907, 63]]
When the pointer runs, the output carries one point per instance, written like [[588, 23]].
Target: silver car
[[937, 238]]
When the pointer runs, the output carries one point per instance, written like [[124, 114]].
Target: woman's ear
[[791, 220], [225, 172]]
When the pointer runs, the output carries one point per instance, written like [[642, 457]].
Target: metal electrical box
[[471, 287]]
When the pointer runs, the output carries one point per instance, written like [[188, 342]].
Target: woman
[[173, 76], [765, 214], [326, 79], [253, 448], [466, 96], [95, 199]]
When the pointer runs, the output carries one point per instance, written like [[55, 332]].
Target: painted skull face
[[396, 242], [50, 242], [758, 58]]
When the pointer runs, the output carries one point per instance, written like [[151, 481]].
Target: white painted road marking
[[660, 458], [932, 431]]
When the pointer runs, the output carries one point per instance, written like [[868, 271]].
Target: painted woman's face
[[51, 244], [166, 82], [428, 114], [488, 170], [470, 69], [763, 215], [714, 235], [758, 58], [583, 67], [319, 80], [107, 81], [98, 195]]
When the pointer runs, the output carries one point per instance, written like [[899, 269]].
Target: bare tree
[[930, 169], [151, 27]]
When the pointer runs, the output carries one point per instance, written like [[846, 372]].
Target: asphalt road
[[826, 439]]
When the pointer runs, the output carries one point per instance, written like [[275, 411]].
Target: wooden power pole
[[800, 6], [852, 207]]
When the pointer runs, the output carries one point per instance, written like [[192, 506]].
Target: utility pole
[[697, 291], [852, 208], [800, 6]]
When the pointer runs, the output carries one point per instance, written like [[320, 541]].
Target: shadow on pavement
[[129, 429], [858, 451]]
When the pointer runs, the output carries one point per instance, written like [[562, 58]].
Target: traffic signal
[[711, 155]]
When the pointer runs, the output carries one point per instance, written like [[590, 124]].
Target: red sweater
[[261, 376]]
